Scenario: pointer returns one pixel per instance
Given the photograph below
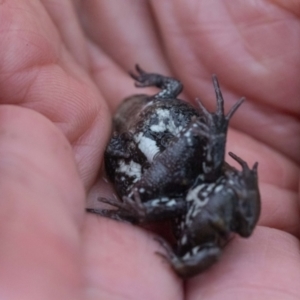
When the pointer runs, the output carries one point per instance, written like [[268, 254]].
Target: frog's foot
[[215, 130], [112, 214], [170, 87], [193, 262], [133, 210], [218, 121], [130, 210]]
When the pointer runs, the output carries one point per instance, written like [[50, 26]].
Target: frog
[[166, 160], [159, 145], [216, 211]]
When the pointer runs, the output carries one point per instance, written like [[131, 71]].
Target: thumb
[[41, 209]]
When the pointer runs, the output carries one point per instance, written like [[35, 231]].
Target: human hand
[[59, 81]]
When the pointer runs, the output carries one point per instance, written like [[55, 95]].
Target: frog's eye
[[248, 213], [245, 209]]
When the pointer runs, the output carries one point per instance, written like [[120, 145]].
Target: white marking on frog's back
[[187, 220], [193, 194], [160, 127], [171, 202], [147, 146], [189, 134], [163, 116], [186, 256], [159, 201], [197, 203], [183, 240], [155, 202], [195, 209], [162, 113], [165, 122], [219, 188], [193, 252], [132, 169]]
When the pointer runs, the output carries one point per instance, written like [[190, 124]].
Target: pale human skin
[[62, 74]]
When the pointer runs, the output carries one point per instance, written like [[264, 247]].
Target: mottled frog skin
[[215, 211], [166, 161]]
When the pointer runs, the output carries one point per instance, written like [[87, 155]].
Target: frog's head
[[245, 185]]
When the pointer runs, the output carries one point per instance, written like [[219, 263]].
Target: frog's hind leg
[[134, 211], [170, 87], [128, 210]]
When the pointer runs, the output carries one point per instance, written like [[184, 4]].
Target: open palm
[[63, 71]]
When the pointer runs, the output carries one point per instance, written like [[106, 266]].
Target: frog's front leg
[[193, 262], [134, 211], [170, 87]]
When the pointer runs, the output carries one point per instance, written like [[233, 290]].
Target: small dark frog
[[166, 161], [160, 144], [215, 211]]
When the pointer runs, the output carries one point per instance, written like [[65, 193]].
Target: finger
[[42, 205], [38, 72], [132, 26], [121, 263], [125, 31], [251, 60], [265, 266], [63, 15]]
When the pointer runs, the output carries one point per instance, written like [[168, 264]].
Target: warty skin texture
[[166, 161]]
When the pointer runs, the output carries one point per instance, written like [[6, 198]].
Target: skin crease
[[63, 71]]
